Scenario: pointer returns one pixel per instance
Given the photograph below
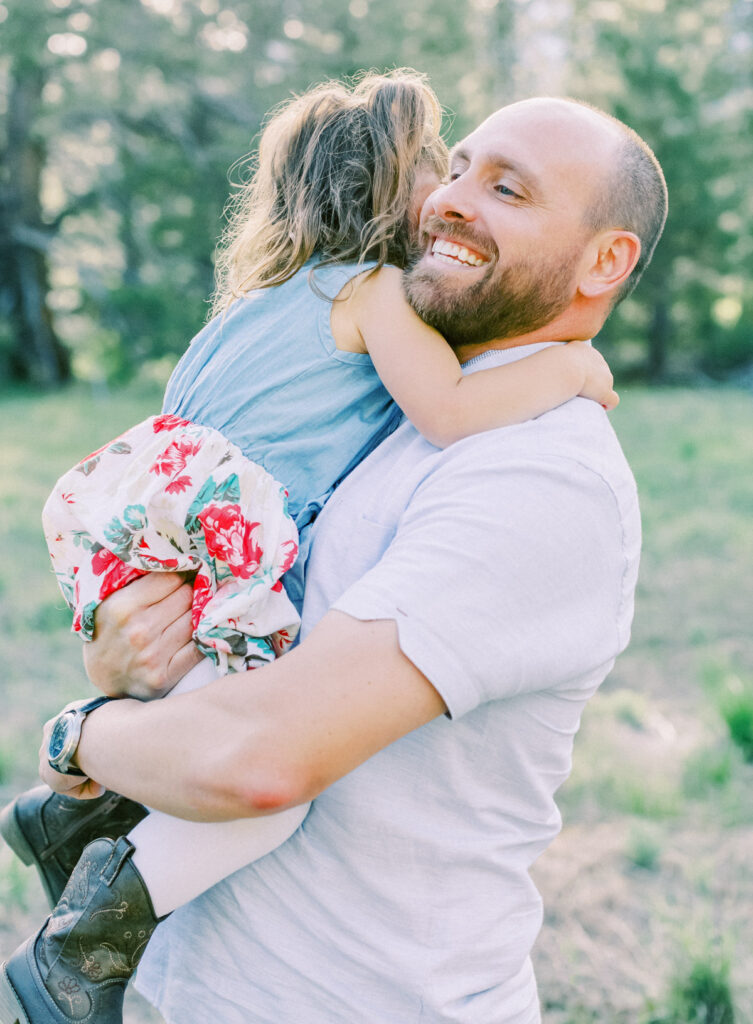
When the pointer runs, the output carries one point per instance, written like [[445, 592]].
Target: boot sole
[[11, 1010]]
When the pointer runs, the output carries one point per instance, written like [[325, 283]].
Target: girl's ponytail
[[333, 178]]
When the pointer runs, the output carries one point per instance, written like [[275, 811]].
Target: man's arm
[[259, 742], [505, 575]]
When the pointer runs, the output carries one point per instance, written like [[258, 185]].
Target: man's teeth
[[442, 248]]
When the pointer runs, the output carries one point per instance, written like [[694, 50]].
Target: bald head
[[627, 187], [581, 132]]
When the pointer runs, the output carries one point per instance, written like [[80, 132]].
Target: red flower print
[[230, 539], [291, 551], [281, 641], [68, 497], [177, 486], [102, 560], [202, 591], [168, 422], [158, 564], [173, 459], [116, 573], [77, 603]]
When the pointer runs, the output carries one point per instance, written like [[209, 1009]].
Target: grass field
[[649, 889]]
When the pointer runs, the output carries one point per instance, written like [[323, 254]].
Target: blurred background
[[121, 119], [122, 124]]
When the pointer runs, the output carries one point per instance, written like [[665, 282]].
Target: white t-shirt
[[509, 563]]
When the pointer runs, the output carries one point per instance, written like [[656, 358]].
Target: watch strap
[[81, 710], [95, 702]]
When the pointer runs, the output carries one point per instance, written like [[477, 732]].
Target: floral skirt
[[169, 495]]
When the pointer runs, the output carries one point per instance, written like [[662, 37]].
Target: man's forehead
[[538, 134], [497, 158]]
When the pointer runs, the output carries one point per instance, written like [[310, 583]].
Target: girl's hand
[[598, 380]]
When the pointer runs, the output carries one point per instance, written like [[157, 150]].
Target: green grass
[[732, 693], [707, 769], [692, 452], [659, 803], [736, 708], [40, 438], [644, 849], [703, 995], [699, 994]]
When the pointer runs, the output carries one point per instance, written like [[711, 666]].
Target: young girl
[[309, 360]]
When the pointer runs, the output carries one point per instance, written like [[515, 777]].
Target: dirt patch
[[614, 933]]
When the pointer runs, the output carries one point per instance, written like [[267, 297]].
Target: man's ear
[[612, 256]]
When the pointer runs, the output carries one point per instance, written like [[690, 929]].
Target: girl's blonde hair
[[333, 177]]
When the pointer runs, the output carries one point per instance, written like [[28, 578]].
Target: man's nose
[[453, 201]]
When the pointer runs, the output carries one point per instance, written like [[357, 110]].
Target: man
[[461, 607]]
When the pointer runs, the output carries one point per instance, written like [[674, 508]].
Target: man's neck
[[466, 352], [565, 327]]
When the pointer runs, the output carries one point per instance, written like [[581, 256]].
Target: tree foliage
[[122, 118], [681, 76]]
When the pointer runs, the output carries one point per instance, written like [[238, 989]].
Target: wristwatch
[[66, 733]]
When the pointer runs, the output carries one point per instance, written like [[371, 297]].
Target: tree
[[31, 349], [674, 74], [124, 117]]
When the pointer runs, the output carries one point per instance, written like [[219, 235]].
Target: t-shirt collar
[[500, 356]]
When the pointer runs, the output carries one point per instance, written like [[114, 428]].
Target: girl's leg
[[217, 849], [179, 860]]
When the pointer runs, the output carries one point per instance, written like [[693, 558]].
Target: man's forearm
[[169, 754], [256, 743]]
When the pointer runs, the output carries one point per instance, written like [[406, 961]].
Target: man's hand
[[69, 785], [142, 643]]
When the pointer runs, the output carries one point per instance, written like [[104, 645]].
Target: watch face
[[58, 737]]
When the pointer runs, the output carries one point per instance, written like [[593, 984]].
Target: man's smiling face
[[500, 244]]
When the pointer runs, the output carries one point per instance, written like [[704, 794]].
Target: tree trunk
[[36, 354], [659, 331]]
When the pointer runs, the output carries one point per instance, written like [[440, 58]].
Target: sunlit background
[[122, 118], [120, 125]]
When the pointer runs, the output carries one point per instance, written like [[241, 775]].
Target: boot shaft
[[78, 965], [104, 918]]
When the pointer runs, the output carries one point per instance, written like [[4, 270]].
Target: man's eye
[[505, 190], [453, 176]]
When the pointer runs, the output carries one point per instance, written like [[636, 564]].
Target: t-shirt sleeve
[[502, 578]]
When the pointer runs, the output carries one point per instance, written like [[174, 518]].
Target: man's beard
[[507, 302]]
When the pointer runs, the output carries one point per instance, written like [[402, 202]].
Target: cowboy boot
[[77, 966], [51, 831]]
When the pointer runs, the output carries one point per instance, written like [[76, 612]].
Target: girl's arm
[[423, 375]]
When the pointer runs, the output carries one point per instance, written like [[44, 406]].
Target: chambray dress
[[269, 376], [262, 418]]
